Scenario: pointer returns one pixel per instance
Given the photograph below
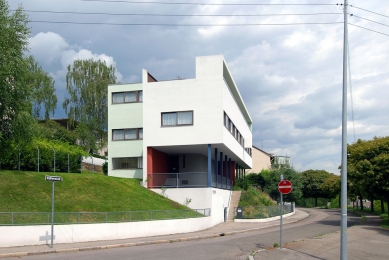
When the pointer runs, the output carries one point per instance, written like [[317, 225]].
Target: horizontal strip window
[[127, 134], [177, 118], [127, 97], [233, 130], [123, 163]]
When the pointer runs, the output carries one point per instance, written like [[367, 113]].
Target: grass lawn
[[23, 191]]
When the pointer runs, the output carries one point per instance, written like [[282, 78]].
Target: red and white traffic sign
[[285, 186]]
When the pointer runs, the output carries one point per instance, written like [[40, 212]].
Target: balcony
[[187, 180]]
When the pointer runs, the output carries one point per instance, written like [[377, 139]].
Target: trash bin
[[239, 213]]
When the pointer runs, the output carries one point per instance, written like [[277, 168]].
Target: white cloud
[[51, 47], [47, 47]]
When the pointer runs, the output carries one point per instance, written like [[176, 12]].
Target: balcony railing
[[186, 180]]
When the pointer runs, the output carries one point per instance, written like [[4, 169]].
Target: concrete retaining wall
[[268, 219], [215, 199], [38, 235]]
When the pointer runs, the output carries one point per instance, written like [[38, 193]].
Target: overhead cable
[[369, 20], [187, 25], [186, 3], [369, 11], [368, 29], [179, 15]]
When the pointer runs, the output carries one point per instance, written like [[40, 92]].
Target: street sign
[[53, 178], [285, 186]]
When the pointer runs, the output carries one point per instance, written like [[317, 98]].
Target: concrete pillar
[[221, 169], [225, 159], [209, 183], [230, 172], [216, 167]]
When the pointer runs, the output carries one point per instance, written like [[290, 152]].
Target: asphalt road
[[236, 246]]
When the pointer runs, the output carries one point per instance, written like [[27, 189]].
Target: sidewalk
[[364, 241], [223, 229]]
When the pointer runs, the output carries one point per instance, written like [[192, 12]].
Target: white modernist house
[[190, 136]]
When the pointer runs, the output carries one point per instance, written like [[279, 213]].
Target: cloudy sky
[[290, 76]]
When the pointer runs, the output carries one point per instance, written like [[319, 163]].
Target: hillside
[[29, 192], [255, 197]]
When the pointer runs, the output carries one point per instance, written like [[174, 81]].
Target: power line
[[369, 20], [368, 29], [186, 25], [369, 11], [179, 15], [185, 3]]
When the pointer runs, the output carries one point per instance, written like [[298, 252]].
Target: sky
[[289, 75]]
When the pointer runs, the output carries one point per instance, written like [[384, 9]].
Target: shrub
[[105, 168]]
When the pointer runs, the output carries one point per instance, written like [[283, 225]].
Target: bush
[[105, 168], [243, 183], [64, 153]]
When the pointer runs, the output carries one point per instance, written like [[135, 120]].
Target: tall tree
[[331, 186], [368, 165], [87, 84], [14, 35], [42, 87], [311, 181]]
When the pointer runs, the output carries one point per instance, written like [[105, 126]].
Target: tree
[[42, 88], [332, 186], [368, 168], [272, 178], [14, 35], [87, 84], [311, 181]]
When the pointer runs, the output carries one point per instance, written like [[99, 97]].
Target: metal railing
[[261, 212], [44, 218], [186, 180]]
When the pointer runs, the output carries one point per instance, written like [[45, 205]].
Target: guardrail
[[187, 180], [261, 212], [44, 218]]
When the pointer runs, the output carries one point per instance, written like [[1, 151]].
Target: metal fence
[[261, 212], [188, 180], [44, 218]]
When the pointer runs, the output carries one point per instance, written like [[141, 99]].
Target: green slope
[[29, 192]]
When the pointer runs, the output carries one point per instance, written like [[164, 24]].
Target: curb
[[164, 241]]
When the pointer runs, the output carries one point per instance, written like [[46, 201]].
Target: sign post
[[285, 187], [52, 179]]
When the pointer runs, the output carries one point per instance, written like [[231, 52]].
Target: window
[[127, 163], [177, 118], [233, 130], [127, 134], [127, 97]]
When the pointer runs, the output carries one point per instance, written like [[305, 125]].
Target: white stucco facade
[[205, 152]]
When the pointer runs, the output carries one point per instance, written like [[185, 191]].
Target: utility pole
[[343, 222]]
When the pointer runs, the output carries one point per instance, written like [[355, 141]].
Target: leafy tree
[[332, 186], [368, 168], [312, 181], [14, 35], [256, 179], [272, 178], [87, 84], [52, 130], [42, 87]]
